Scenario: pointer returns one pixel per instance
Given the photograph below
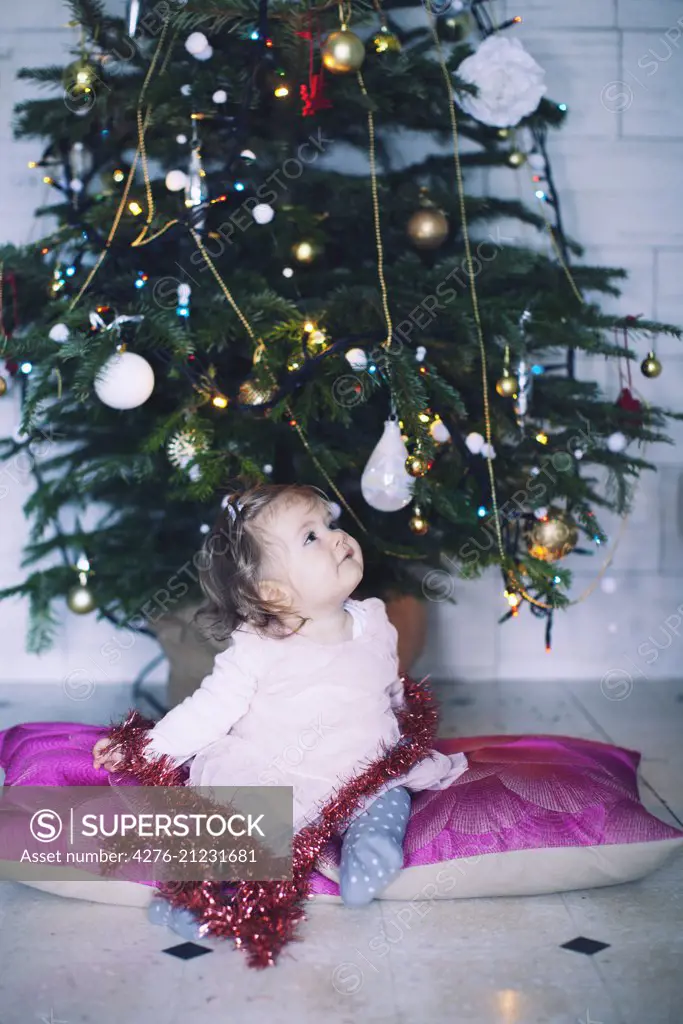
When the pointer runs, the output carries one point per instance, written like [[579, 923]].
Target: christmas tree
[[253, 276]]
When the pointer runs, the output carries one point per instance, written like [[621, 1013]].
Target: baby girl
[[305, 693]]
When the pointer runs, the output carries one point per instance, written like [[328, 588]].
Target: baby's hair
[[232, 558]]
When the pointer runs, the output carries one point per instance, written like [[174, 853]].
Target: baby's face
[[318, 564]]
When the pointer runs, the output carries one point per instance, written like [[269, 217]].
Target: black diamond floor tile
[[187, 950], [583, 945]]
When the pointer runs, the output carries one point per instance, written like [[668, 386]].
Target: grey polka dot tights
[[372, 848]]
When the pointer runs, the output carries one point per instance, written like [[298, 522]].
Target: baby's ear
[[273, 592]]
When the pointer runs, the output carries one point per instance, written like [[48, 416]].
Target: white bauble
[[59, 333], [509, 81], [386, 484], [184, 292], [440, 432], [541, 513], [616, 442], [263, 213], [205, 54], [125, 381], [220, 96], [357, 358], [195, 43], [194, 472], [487, 451], [176, 181], [475, 442], [420, 353]]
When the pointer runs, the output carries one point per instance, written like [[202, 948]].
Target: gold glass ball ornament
[[305, 251], [417, 523], [651, 366], [428, 227], [3, 386], [552, 537], [343, 52], [506, 386], [418, 464], [516, 159], [80, 600], [385, 41], [251, 394]]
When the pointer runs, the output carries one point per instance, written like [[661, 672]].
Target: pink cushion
[[530, 793]]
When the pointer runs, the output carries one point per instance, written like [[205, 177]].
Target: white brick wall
[[618, 65]]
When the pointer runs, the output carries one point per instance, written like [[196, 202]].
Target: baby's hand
[[105, 758]]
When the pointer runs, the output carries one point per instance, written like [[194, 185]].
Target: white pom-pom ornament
[[176, 181], [475, 442], [616, 442], [195, 43], [262, 213], [59, 333], [440, 432], [357, 358], [125, 381]]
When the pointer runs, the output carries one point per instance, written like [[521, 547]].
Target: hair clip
[[230, 508]]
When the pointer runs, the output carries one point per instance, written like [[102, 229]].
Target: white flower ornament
[[509, 81]]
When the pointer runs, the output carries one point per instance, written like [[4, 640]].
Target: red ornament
[[630, 405], [313, 95], [261, 917]]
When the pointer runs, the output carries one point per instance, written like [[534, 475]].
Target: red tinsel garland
[[262, 917]]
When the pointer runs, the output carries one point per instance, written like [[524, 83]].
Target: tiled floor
[[486, 961]]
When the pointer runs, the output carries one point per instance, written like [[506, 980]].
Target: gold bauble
[[295, 362], [3, 386], [305, 251], [553, 537], [506, 386], [385, 41], [342, 52], [516, 159], [418, 465], [80, 600], [251, 394], [418, 524], [427, 228], [651, 366]]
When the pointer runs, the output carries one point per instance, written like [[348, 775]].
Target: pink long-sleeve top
[[295, 712]]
